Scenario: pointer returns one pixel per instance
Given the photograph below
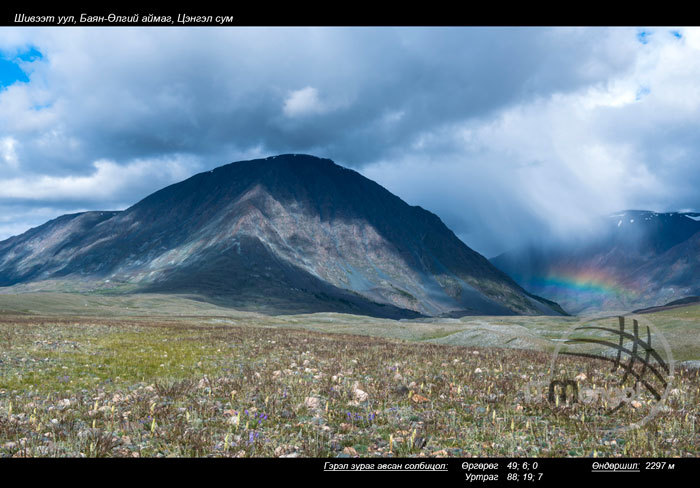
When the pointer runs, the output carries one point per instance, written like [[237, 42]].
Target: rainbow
[[584, 281]]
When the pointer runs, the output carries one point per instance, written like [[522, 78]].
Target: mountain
[[640, 259], [290, 233], [682, 303]]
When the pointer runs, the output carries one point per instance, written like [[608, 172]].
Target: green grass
[[680, 326], [172, 376]]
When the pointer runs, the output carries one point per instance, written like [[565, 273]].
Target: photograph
[[455, 253]]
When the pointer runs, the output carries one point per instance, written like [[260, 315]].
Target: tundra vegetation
[[121, 378]]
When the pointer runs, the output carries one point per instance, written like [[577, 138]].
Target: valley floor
[[138, 376]]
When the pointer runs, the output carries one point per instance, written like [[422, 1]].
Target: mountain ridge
[[640, 259], [291, 229]]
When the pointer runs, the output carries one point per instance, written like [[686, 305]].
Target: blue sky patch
[[10, 71], [33, 54], [642, 92], [643, 36]]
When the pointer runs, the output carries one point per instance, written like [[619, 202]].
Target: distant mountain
[[640, 259], [683, 302], [291, 233]]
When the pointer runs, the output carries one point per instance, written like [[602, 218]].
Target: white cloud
[[8, 153], [551, 165], [303, 102], [108, 181], [523, 129]]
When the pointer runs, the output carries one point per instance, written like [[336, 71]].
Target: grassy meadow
[[88, 375]]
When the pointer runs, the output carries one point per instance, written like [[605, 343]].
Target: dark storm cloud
[[138, 93], [492, 128]]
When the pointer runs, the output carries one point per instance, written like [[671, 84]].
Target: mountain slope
[[287, 233], [640, 259]]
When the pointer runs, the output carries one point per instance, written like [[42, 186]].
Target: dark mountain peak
[[286, 173], [280, 163], [652, 232], [292, 159], [285, 233], [271, 165], [301, 159]]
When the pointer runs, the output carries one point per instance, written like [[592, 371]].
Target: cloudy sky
[[508, 134]]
